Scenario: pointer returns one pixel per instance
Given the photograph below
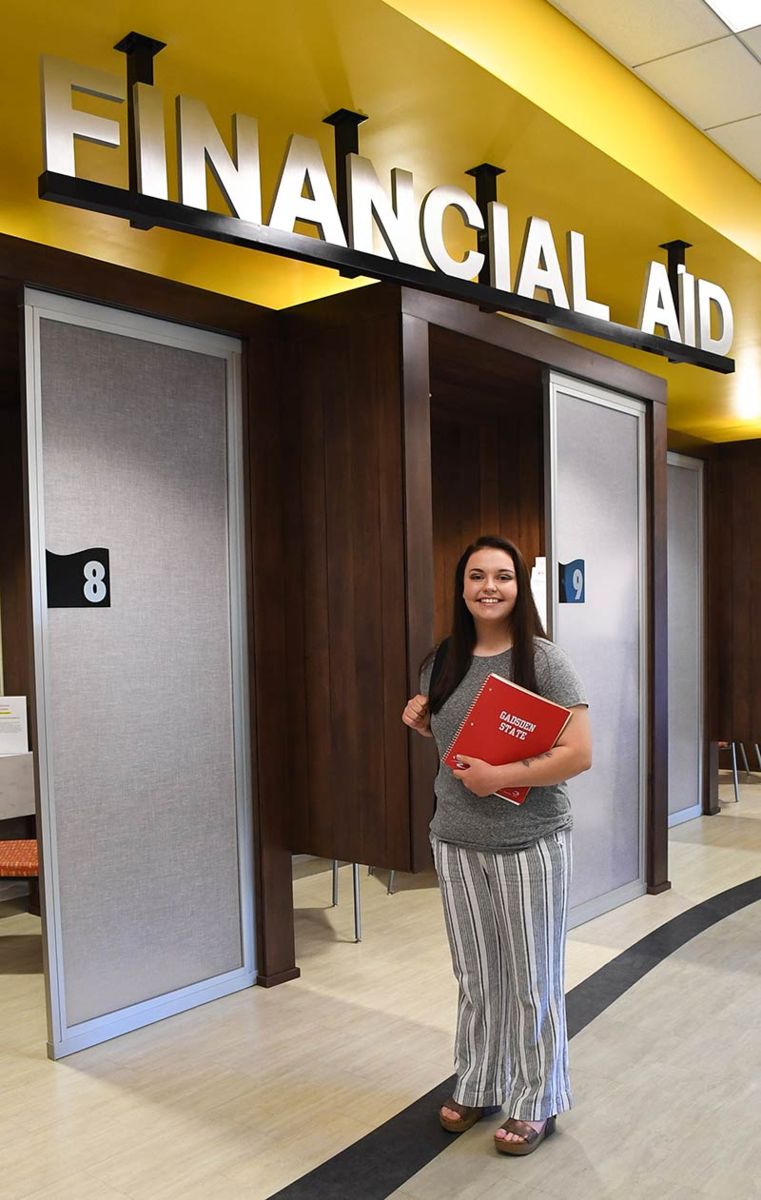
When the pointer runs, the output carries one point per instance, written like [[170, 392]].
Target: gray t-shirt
[[489, 822]]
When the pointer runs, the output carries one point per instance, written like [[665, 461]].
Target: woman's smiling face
[[490, 588]]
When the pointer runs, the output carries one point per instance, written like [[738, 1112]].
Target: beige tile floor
[[236, 1099]]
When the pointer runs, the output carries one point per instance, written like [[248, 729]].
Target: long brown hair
[[525, 625]]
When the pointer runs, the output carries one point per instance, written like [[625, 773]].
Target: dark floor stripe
[[380, 1162], [591, 997]]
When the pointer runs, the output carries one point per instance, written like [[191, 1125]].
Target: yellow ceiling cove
[[541, 54], [433, 110]]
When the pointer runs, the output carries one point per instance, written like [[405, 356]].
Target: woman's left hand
[[477, 775]]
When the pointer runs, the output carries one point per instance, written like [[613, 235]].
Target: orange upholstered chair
[[19, 860]]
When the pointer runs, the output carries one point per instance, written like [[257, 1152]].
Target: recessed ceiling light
[[737, 14]]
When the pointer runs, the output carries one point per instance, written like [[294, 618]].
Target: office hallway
[[245, 1097]]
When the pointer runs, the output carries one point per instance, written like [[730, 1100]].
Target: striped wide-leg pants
[[506, 921]]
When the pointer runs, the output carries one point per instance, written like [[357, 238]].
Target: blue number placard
[[572, 581]]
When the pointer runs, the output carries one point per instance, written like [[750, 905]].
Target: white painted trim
[[697, 465], [64, 1039], [599, 905], [90, 315], [137, 1016], [684, 460], [685, 814]]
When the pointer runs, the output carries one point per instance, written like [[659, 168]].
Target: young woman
[[504, 869]]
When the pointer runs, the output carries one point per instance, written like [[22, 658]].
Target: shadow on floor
[[21, 954], [313, 931]]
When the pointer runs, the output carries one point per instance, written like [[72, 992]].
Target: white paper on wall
[[13, 731], [539, 588]]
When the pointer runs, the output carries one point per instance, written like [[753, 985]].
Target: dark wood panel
[[524, 340], [721, 535], [710, 796], [276, 749], [711, 807], [14, 588], [273, 754], [312, 825], [88, 279], [657, 808], [399, 840], [345, 377], [14, 579], [685, 443], [456, 498], [744, 592], [419, 536], [734, 571], [487, 470]]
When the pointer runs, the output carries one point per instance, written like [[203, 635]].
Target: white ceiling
[[686, 53]]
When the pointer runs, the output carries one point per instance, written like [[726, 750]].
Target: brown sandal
[[532, 1138], [468, 1116]]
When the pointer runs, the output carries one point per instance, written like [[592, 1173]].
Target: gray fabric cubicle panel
[[685, 631], [596, 510], [140, 735]]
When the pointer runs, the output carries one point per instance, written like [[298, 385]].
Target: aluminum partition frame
[[697, 465], [39, 305], [593, 394]]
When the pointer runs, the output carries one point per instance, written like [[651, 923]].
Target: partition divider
[[136, 492]]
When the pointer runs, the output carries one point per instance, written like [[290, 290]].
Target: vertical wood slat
[[522, 518], [711, 806], [710, 792], [734, 563], [657, 822], [392, 586], [499, 441], [744, 604], [312, 825], [719, 612], [275, 750], [346, 375], [489, 472], [14, 589], [344, 770], [419, 565], [367, 795]]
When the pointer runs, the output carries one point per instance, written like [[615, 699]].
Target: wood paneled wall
[[486, 454], [41, 266], [385, 431], [344, 566], [734, 591], [14, 609]]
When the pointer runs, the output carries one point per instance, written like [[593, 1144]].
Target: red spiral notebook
[[507, 723]]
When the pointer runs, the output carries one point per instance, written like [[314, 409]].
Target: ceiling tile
[[742, 140], [710, 84], [752, 38], [636, 33]]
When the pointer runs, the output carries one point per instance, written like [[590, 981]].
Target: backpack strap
[[438, 662], [436, 669]]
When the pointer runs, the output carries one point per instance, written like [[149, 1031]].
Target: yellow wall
[[524, 95]]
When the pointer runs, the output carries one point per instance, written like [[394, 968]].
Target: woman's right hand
[[416, 715]]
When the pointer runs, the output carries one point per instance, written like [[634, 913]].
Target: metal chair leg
[[335, 882], [390, 888], [371, 870], [357, 908], [745, 758], [758, 755], [735, 779]]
